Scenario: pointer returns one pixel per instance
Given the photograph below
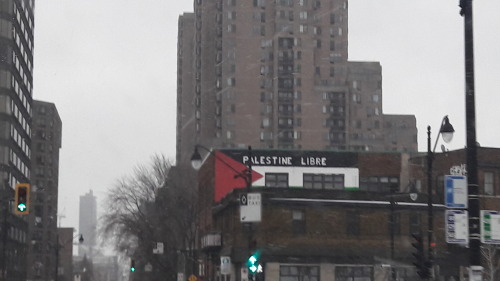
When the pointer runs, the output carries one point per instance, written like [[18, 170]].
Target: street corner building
[[323, 215]]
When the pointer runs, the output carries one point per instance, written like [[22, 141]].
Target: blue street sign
[[455, 188]]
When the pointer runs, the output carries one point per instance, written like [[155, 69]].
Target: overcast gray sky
[[110, 68]]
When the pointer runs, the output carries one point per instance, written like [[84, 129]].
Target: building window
[[277, 180], [323, 181], [352, 223], [378, 184], [415, 222], [299, 273], [349, 273], [394, 227], [231, 28], [332, 18], [332, 45], [298, 222], [489, 183]]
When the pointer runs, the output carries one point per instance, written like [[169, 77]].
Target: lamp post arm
[[439, 133], [246, 177]]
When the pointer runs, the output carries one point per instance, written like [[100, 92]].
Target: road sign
[[192, 277], [225, 265], [244, 273], [455, 188], [158, 248], [243, 199], [250, 207], [457, 227], [490, 227]]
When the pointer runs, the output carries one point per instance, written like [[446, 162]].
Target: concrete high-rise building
[[276, 74], [16, 83], [46, 143], [88, 224]]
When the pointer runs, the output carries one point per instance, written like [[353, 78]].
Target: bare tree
[[491, 260], [156, 203]]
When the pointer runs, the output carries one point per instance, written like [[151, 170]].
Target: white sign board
[[490, 227], [244, 274], [180, 276], [457, 227], [158, 248], [225, 265], [250, 207], [455, 188]]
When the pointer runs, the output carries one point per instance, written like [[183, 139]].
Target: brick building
[[325, 215], [42, 234], [276, 74], [319, 223]]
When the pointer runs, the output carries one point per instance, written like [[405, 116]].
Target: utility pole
[[470, 118]]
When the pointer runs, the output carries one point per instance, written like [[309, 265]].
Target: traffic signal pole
[[420, 263]]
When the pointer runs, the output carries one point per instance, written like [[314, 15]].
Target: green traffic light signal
[[22, 199], [132, 266], [21, 207]]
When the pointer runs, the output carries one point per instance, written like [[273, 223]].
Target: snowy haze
[[110, 68]]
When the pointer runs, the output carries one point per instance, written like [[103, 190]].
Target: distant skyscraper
[[16, 82], [46, 142], [88, 224], [275, 74]]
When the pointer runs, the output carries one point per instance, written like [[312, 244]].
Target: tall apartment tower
[[43, 235], [16, 81], [275, 74], [88, 224]]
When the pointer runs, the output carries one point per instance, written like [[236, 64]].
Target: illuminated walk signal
[[22, 199]]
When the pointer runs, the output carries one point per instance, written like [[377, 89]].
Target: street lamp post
[[470, 119], [446, 130], [246, 175], [196, 162]]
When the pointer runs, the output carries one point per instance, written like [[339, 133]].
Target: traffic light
[[253, 263], [420, 263], [22, 199], [132, 265]]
